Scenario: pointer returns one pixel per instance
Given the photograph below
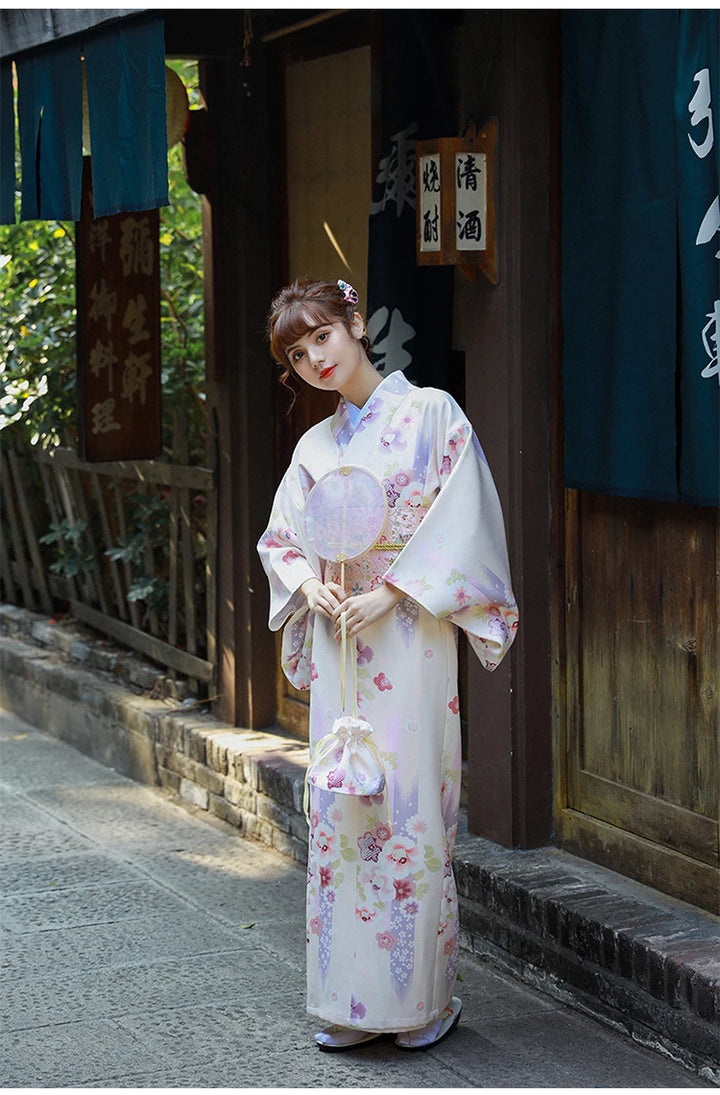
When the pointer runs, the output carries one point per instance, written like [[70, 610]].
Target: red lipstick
[[326, 372]]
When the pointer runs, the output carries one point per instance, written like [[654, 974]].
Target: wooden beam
[[506, 330], [240, 379], [144, 471], [303, 24], [149, 645], [662, 868]]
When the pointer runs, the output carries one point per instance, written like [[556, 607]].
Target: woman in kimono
[[382, 912]]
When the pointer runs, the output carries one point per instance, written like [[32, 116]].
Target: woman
[[382, 914]]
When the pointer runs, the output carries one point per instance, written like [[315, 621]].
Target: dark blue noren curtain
[[125, 67], [409, 307], [697, 118], [50, 124], [7, 145], [640, 247], [619, 254]]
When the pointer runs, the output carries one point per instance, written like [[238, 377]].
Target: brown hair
[[301, 307]]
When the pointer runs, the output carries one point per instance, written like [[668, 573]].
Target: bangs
[[295, 321]]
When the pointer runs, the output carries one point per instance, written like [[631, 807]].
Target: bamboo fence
[[98, 502]]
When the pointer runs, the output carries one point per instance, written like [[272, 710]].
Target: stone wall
[[123, 712]]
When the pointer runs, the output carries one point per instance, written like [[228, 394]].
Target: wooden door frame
[[511, 345], [240, 383], [236, 159], [336, 35]]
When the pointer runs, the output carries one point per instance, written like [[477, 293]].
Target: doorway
[[325, 163]]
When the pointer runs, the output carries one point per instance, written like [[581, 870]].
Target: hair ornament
[[348, 292]]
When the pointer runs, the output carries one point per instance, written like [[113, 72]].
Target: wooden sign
[[456, 201], [118, 326]]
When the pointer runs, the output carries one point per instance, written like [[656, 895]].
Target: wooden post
[[30, 538], [120, 602], [17, 543], [211, 590], [181, 546], [507, 329], [240, 377], [122, 534]]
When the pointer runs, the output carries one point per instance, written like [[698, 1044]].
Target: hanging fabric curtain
[[641, 253], [409, 306], [7, 145], [619, 259], [697, 117], [125, 66], [50, 123]]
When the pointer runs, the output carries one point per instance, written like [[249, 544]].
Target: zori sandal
[[435, 1031], [336, 1038]]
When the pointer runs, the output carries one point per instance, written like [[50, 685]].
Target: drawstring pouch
[[346, 760]]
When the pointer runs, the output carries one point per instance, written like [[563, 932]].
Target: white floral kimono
[[382, 917]]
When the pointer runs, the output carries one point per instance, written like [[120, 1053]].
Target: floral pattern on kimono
[[382, 915]]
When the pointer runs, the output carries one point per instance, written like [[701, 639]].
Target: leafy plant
[[72, 557], [152, 591], [37, 349], [150, 519]]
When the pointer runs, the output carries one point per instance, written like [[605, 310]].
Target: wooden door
[[639, 779], [326, 102]]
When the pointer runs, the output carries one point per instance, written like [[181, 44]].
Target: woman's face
[[328, 356]]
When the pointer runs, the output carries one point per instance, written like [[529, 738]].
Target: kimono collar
[[389, 391]]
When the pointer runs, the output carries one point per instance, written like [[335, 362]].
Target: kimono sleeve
[[288, 561], [456, 563]]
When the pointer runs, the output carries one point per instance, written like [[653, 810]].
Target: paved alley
[[147, 946]]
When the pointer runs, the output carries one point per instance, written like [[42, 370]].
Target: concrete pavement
[[145, 945]]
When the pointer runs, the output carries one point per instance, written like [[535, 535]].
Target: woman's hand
[[323, 599], [366, 608]]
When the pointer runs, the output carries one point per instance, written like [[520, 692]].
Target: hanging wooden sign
[[456, 223], [118, 327]]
